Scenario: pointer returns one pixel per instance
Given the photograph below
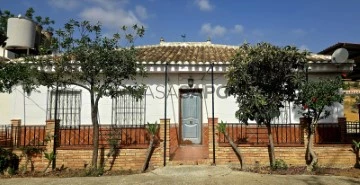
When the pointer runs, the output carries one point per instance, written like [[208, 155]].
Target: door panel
[[191, 117]]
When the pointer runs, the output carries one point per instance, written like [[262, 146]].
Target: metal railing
[[6, 139], [32, 135], [328, 133], [82, 136], [283, 134]]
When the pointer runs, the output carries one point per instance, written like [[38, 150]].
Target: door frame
[[183, 91]]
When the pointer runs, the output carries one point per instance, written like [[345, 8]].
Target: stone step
[[190, 162]]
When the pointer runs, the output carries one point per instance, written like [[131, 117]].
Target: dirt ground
[[190, 175]]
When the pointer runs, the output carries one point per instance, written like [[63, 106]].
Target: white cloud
[[238, 29], [204, 5], [141, 12], [113, 14], [114, 18], [64, 4], [216, 31], [304, 47]]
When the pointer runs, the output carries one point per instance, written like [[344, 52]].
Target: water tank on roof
[[20, 33]]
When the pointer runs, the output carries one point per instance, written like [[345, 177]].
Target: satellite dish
[[340, 55]]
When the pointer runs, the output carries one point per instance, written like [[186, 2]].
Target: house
[[185, 62], [185, 91], [189, 69]]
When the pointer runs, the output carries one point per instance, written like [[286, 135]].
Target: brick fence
[[133, 156], [329, 155], [77, 156]]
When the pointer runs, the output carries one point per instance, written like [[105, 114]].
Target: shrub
[[8, 160], [279, 165]]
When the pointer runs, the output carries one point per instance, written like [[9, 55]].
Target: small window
[[128, 110], [68, 107]]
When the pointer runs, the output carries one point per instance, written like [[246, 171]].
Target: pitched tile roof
[[198, 53]]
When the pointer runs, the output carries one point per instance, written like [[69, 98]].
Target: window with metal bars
[[285, 115], [128, 110], [68, 106]]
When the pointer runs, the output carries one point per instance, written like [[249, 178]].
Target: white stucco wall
[[12, 105]]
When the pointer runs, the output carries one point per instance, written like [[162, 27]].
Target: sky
[[308, 24]]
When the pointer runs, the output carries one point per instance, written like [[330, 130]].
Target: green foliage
[[221, 127], [279, 165], [346, 86], [315, 96], [30, 150], [152, 128], [49, 156], [8, 161], [12, 74], [46, 21], [356, 145], [262, 77], [355, 84], [94, 172], [93, 62], [356, 150]]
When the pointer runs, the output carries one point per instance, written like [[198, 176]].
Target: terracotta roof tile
[[190, 52], [199, 52]]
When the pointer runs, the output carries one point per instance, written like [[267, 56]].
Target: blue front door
[[191, 117]]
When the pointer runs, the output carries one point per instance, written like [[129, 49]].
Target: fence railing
[[32, 135], [6, 136], [352, 131], [328, 133], [82, 136], [283, 134], [291, 134]]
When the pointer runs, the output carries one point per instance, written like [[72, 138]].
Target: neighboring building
[[351, 79]]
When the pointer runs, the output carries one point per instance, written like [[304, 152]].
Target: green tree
[[4, 16], [95, 63], [315, 98], [153, 130], [222, 129], [262, 78], [17, 74]]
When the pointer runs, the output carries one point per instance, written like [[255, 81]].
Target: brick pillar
[[304, 123], [15, 132], [210, 123], [50, 134], [162, 139], [342, 126]]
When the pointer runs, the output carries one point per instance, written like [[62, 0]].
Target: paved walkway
[[200, 175]]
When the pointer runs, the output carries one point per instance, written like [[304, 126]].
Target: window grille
[[128, 110], [284, 116], [68, 108]]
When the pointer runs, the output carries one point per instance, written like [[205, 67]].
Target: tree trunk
[[95, 123], [310, 152], [148, 154], [26, 163], [236, 149], [271, 145], [357, 164], [47, 167]]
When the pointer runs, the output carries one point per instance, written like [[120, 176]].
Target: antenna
[[340, 55]]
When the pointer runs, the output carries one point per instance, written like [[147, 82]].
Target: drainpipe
[[212, 106], [165, 112]]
